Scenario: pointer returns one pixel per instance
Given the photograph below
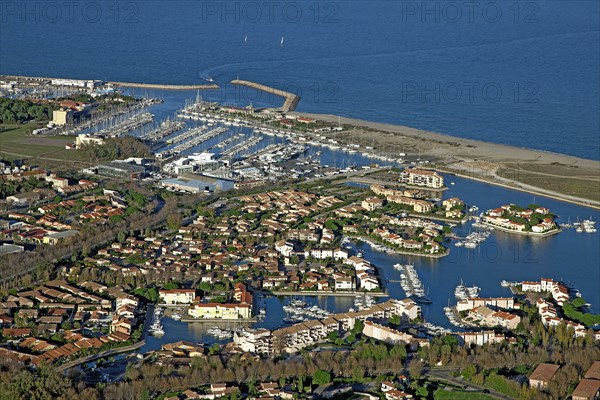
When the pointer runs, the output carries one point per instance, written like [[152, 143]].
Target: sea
[[523, 73]]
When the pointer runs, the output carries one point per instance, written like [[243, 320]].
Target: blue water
[[520, 73]]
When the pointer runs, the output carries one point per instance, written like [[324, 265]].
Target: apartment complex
[[422, 177]]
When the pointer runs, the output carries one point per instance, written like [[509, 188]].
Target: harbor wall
[[291, 99], [160, 86]]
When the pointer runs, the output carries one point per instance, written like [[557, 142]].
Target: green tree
[[321, 377], [174, 221]]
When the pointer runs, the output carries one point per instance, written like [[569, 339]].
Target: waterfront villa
[[558, 290], [511, 217], [506, 303], [220, 311], [177, 296]]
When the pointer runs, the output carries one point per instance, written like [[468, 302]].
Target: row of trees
[[14, 111], [116, 148], [8, 188]]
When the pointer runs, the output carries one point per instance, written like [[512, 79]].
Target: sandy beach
[[545, 173]]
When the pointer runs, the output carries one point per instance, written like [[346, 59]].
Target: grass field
[[16, 142], [583, 183], [441, 394]]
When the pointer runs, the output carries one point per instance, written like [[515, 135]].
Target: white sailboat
[[282, 41], [246, 39]]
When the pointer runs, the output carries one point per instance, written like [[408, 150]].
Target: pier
[[188, 135], [291, 99], [254, 140], [193, 142], [129, 124], [165, 129], [161, 86]]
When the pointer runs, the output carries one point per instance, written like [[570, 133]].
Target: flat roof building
[[200, 184], [118, 170]]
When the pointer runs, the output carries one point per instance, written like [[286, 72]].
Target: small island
[[534, 220]]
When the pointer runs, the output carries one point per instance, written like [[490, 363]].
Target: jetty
[[291, 99], [161, 86]]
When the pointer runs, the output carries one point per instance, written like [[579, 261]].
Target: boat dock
[[228, 141], [188, 135], [252, 141], [291, 99], [193, 142], [96, 120], [167, 128], [411, 284], [127, 125]]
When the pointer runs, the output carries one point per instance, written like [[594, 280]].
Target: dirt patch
[[53, 141]]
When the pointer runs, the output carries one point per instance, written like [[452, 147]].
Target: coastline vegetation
[[14, 111], [572, 310]]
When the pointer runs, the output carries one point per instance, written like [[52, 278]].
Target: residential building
[[422, 177], [587, 389], [542, 375], [372, 203], [177, 296], [385, 333], [220, 311]]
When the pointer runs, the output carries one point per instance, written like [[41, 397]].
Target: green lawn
[[441, 394], [16, 142]]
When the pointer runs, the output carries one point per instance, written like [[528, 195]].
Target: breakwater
[[291, 99], [160, 86], [65, 82]]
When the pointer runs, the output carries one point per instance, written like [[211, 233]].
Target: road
[[445, 374], [347, 174]]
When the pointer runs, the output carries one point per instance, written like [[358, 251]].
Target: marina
[[298, 310], [463, 292], [184, 145], [106, 119], [473, 239], [586, 226], [156, 326], [240, 147], [411, 284], [124, 124], [166, 128]]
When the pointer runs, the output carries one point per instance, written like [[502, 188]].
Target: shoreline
[[573, 179], [533, 190], [424, 134], [475, 159], [384, 248], [522, 233], [329, 293]]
